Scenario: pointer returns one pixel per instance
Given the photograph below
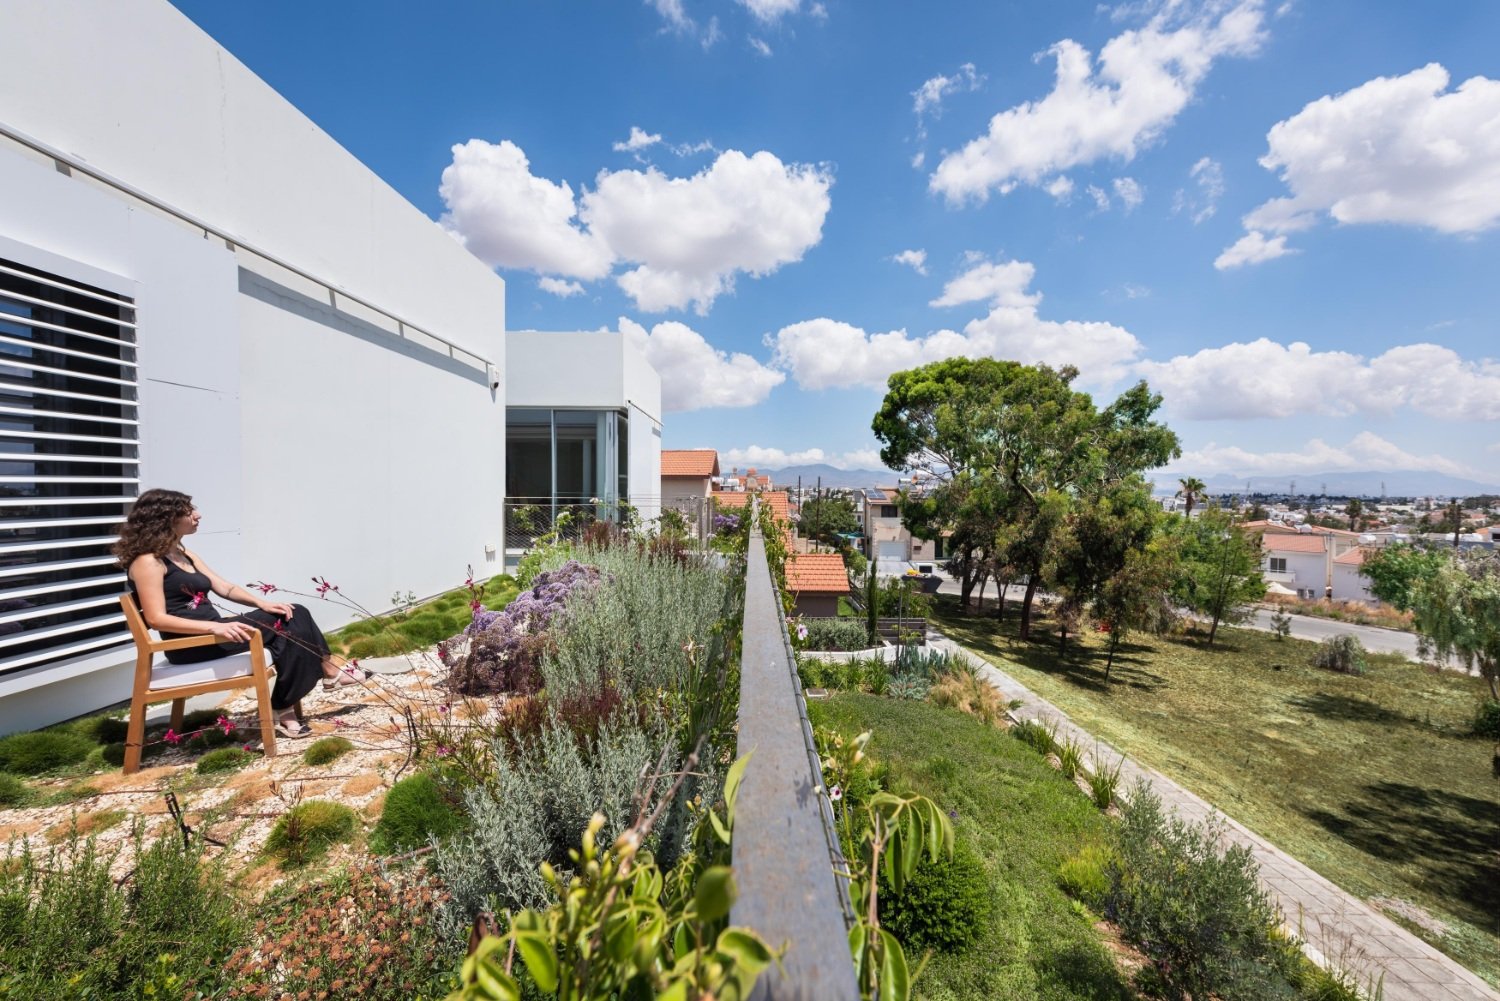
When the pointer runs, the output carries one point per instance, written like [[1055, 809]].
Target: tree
[[1013, 447], [1138, 597], [1190, 489], [1354, 509], [1396, 572], [1456, 608], [1219, 573], [828, 519]]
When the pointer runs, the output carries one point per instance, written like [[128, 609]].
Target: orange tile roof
[[689, 462], [816, 573], [1293, 543], [1354, 557], [780, 503]]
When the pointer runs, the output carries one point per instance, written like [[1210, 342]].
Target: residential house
[[1302, 559], [578, 439], [687, 479], [816, 581], [887, 539], [1348, 583], [206, 292], [734, 502]]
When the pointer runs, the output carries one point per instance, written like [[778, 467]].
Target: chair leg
[[178, 706], [267, 716], [135, 736]]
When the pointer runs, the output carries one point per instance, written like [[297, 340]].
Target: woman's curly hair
[[148, 526]]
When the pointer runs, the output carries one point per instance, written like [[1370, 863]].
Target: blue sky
[[1282, 215]]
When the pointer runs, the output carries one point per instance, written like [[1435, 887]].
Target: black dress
[[296, 644]]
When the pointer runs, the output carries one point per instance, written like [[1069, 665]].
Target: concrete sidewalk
[[1335, 923]]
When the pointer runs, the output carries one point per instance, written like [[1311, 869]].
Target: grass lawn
[[432, 622], [1371, 781], [1023, 819]]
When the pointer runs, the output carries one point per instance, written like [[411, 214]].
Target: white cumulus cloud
[[824, 353], [770, 11], [1060, 187], [1264, 378], [914, 259], [559, 287], [1402, 150], [928, 98], [686, 237], [1252, 248], [696, 375], [1100, 197], [766, 457], [1143, 80], [1365, 451], [759, 46], [509, 218]]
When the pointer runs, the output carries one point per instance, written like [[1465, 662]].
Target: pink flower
[[801, 631], [197, 600], [324, 586], [265, 588], [444, 708], [172, 737], [246, 747], [277, 625], [223, 724], [836, 793], [443, 750], [476, 605]]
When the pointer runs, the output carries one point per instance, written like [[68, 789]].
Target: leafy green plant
[[943, 905], [620, 927], [1070, 753], [1104, 783], [326, 750], [13, 792], [224, 759], [926, 662], [1487, 719], [963, 689], [1040, 736], [1084, 874], [909, 686], [69, 930], [42, 751], [417, 809], [308, 830], [101, 729], [1343, 653], [1281, 624], [1195, 910], [834, 634]]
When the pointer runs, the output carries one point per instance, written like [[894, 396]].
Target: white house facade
[[201, 290]]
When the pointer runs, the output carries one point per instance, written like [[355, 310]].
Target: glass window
[[580, 458], [528, 456], [622, 456]]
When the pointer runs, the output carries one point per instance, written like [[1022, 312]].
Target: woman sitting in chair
[[174, 587]]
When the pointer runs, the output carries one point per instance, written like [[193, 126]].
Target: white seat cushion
[[168, 675]]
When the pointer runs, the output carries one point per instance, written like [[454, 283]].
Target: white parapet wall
[[319, 364]]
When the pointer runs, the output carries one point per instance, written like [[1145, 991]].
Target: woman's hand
[[230, 631], [277, 608]]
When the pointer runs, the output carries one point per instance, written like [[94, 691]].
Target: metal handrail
[[233, 242]]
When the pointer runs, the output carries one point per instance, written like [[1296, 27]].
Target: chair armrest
[[182, 644]]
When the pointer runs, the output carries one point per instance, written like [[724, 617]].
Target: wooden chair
[[180, 682]]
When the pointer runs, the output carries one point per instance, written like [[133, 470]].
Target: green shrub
[[944, 905], [13, 792], [1040, 737], [68, 930], [1196, 911], [326, 749], [102, 729], [1070, 753], [224, 759], [925, 662], [813, 672], [1085, 875], [1343, 653], [835, 634], [416, 810], [909, 686], [874, 674], [72, 793], [1104, 784], [41, 751], [1487, 719], [308, 830]]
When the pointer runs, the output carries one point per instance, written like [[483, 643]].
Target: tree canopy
[[1219, 575], [1011, 448]]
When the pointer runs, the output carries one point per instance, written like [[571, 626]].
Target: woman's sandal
[[291, 727], [348, 675]]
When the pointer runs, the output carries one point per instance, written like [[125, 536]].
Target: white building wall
[[1304, 571], [314, 439], [1350, 585]]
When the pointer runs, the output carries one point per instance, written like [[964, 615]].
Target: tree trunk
[[1000, 585], [1025, 633], [1114, 641], [1062, 639], [966, 591], [1213, 629]]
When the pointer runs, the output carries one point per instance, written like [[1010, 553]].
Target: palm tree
[[1354, 509], [1190, 488]]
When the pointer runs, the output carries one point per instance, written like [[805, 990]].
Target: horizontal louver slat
[[71, 349]]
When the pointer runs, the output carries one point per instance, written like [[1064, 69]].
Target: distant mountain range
[[832, 476], [1396, 483]]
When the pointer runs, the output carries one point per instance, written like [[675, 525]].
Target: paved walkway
[[1336, 925]]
